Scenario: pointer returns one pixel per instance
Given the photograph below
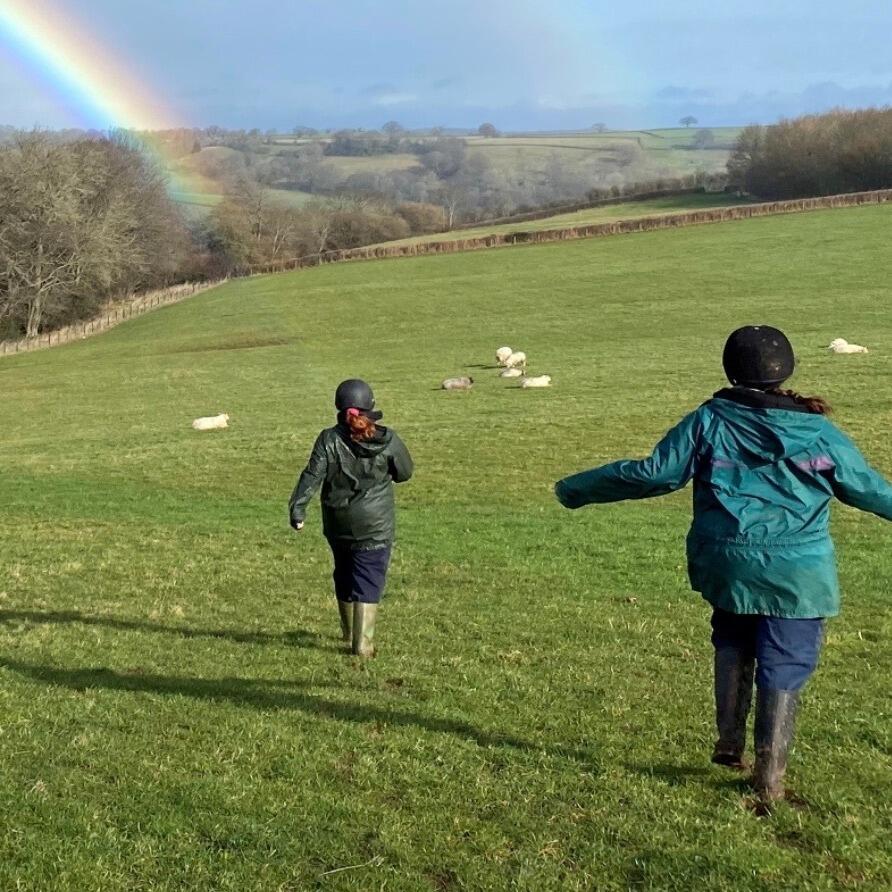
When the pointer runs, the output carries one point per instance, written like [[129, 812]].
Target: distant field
[[628, 210], [176, 711]]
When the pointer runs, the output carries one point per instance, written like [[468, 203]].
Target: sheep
[[516, 360], [502, 354], [511, 373], [841, 345], [536, 381], [211, 423], [462, 383]]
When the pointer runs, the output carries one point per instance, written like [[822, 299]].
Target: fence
[[139, 305], [113, 315], [593, 230]]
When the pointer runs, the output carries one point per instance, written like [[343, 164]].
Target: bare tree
[[488, 130], [688, 121]]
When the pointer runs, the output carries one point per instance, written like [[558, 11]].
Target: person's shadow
[[254, 693], [293, 637]]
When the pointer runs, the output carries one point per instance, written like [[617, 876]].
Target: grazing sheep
[[211, 422], [536, 381], [841, 345], [502, 354], [516, 360], [462, 383], [511, 373]]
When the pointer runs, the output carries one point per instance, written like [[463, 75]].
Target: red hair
[[817, 405], [361, 426]]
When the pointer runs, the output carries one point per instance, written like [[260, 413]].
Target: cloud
[[386, 95]]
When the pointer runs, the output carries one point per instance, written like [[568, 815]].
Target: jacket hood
[[765, 434], [366, 448]]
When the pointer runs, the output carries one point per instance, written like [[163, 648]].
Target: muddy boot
[[364, 629], [345, 610], [733, 695], [775, 720]]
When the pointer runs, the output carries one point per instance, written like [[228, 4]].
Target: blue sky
[[519, 63]]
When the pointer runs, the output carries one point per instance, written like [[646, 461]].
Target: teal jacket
[[764, 470]]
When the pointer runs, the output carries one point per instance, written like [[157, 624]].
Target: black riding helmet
[[758, 356], [354, 393]]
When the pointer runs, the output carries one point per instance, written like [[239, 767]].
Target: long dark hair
[[817, 405]]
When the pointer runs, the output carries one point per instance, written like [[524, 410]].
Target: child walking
[[765, 463], [356, 462]]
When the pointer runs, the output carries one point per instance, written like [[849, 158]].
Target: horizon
[[450, 65]]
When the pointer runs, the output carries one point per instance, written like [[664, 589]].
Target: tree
[[704, 139], [599, 128], [393, 128], [487, 130], [688, 120]]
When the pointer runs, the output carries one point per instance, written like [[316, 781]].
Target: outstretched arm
[[855, 482], [309, 481], [669, 468]]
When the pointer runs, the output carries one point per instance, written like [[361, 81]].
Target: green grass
[[175, 709], [672, 204]]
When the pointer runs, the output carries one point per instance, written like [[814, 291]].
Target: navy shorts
[[360, 575], [785, 650]]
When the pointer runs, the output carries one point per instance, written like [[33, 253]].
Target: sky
[[521, 64]]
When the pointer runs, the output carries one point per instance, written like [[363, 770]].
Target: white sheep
[[516, 360], [841, 345], [211, 423], [511, 373], [463, 383], [502, 354], [536, 381]]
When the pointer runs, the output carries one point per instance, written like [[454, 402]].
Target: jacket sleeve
[[401, 464], [309, 481], [854, 481], [670, 467]]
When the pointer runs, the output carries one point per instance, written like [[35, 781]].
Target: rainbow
[[99, 90]]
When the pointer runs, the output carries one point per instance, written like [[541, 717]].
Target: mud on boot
[[733, 695], [775, 722]]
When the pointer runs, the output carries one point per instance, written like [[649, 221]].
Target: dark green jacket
[[357, 486], [764, 474]]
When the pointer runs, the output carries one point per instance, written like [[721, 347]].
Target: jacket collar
[[758, 399]]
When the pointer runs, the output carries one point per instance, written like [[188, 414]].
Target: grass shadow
[[265, 695], [293, 638], [682, 775]]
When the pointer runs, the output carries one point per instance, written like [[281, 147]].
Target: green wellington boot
[[364, 616], [733, 695], [775, 721], [345, 610]]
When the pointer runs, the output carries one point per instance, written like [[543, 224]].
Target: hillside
[[176, 712]]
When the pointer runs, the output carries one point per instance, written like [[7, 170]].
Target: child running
[[357, 462], [765, 463]]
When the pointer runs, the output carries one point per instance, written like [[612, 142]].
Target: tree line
[[827, 154]]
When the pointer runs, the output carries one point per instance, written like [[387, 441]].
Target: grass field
[[175, 710], [628, 210]]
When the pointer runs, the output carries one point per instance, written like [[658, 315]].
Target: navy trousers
[[785, 650], [360, 575]]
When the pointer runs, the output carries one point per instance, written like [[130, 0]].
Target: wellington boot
[[733, 695], [364, 616], [345, 610], [775, 721]]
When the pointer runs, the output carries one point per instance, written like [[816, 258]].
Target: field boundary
[[127, 309], [592, 230], [113, 314]]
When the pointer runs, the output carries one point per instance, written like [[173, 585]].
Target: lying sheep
[[511, 373], [516, 360], [502, 354], [211, 423], [841, 345], [536, 381], [462, 383]]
